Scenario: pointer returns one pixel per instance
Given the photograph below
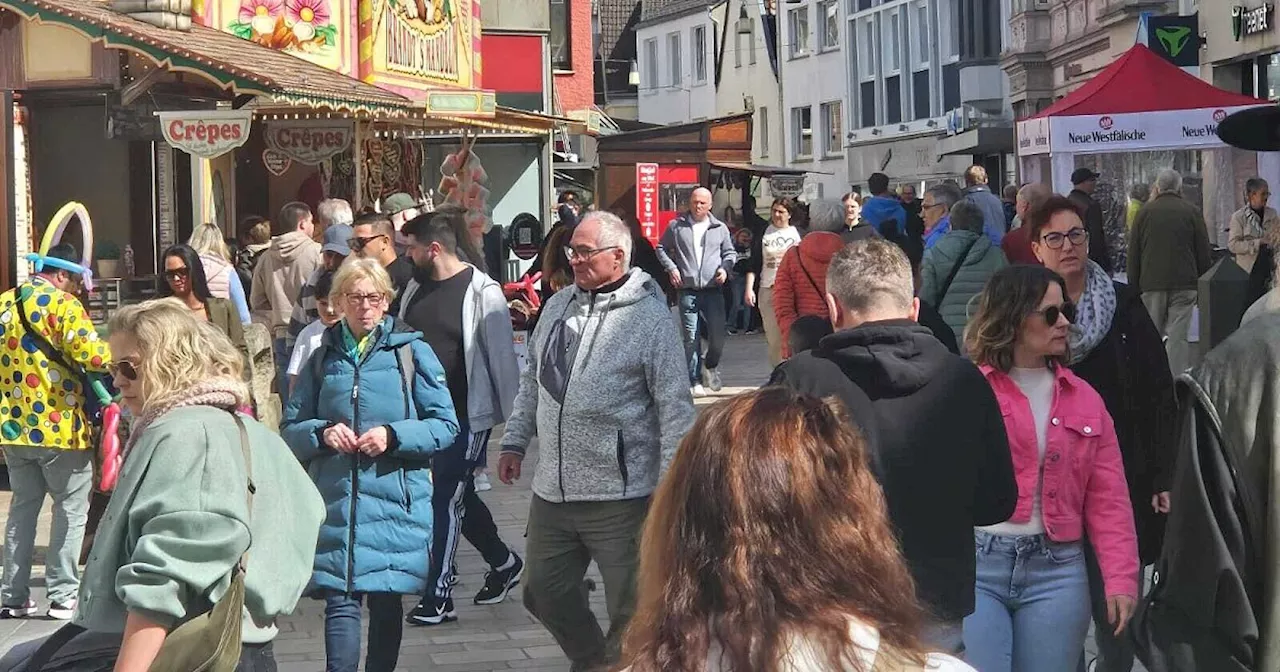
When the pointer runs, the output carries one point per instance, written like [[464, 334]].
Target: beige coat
[[278, 278], [1242, 238]]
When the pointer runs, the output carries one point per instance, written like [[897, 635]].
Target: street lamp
[[633, 77]]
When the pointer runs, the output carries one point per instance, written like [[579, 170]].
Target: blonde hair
[[207, 239], [354, 270], [178, 351]]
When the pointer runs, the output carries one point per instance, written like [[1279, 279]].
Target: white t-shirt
[[309, 340], [1037, 386], [699, 233], [773, 244]]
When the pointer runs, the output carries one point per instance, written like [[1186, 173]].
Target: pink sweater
[[1084, 490]]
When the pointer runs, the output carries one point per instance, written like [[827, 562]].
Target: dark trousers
[[90, 651], [702, 309], [342, 631], [1115, 654], [563, 540], [459, 512]]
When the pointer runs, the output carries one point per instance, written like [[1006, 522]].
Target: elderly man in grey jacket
[[697, 252], [606, 394]]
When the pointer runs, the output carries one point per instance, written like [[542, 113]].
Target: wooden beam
[[139, 86]]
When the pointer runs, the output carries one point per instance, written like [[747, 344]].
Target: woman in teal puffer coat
[[365, 416], [966, 257]]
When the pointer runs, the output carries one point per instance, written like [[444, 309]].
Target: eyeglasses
[[359, 243], [355, 300], [1077, 236], [123, 369], [1052, 313], [176, 273], [585, 253], [933, 205]]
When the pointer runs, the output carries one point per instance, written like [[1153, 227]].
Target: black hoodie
[[941, 452]]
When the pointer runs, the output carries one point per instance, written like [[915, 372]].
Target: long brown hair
[[1010, 295], [769, 526]]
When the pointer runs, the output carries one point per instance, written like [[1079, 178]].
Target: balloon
[[53, 235], [111, 458]]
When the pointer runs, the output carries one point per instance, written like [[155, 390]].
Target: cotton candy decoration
[[462, 183]]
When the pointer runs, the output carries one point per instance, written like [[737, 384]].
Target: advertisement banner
[[310, 142], [1175, 129], [206, 133], [647, 200], [1033, 136]]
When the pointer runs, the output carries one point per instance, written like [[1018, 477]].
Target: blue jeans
[[739, 311], [702, 308], [67, 477], [280, 354], [1031, 612], [342, 631]]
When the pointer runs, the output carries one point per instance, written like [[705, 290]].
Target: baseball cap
[[398, 202], [336, 237], [1083, 175]]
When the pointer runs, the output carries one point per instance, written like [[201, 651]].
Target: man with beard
[[463, 317]]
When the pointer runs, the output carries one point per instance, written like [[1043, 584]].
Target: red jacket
[[1017, 246], [801, 286], [1084, 487]]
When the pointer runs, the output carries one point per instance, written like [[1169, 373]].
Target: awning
[[240, 66], [766, 171], [991, 140], [511, 120]]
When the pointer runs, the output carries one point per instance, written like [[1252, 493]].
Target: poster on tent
[[1097, 134]]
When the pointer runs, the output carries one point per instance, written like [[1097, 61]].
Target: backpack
[[404, 362]]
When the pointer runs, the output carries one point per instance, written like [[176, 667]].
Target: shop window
[[561, 43], [802, 132]]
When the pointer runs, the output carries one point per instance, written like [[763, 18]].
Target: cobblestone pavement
[[485, 638]]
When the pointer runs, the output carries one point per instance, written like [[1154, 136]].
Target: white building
[[747, 78], [676, 47], [815, 95], [903, 77]]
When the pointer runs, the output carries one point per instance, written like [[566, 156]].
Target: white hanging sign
[[310, 142], [206, 133]]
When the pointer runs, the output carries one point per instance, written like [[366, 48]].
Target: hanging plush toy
[[109, 449]]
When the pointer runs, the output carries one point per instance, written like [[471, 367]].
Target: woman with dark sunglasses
[[1116, 348], [184, 280], [1031, 611]]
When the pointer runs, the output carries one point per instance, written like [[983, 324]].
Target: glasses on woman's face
[[1052, 313], [1077, 236], [176, 274], [123, 369], [356, 300]]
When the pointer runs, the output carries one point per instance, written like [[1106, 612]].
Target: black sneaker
[[453, 575], [497, 583], [432, 611]]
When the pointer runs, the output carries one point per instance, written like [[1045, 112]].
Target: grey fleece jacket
[[676, 253], [606, 391]]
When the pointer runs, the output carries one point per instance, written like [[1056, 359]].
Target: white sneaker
[[482, 482], [25, 611], [62, 612], [698, 391]]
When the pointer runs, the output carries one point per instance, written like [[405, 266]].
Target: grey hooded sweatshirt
[[676, 252], [606, 391]]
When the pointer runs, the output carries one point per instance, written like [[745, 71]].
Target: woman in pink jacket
[[1032, 610]]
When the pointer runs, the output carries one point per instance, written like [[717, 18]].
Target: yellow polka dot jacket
[[42, 404]]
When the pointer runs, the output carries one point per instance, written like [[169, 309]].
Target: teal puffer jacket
[[377, 529], [980, 262]]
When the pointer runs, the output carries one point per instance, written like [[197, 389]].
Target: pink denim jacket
[[1083, 473]]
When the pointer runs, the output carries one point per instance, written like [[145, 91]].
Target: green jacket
[[980, 263], [1168, 246], [178, 523]]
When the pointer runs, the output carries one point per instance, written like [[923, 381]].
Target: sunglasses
[[123, 369], [177, 273], [359, 243], [1052, 313]]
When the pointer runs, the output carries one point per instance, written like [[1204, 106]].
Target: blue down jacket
[[377, 528]]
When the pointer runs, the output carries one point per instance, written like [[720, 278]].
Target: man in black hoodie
[[940, 452]]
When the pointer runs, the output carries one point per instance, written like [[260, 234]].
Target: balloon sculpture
[[110, 441]]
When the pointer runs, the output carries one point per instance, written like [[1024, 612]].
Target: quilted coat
[[981, 261], [801, 285], [377, 528]]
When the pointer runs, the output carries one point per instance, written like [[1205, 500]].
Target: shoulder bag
[[955, 270]]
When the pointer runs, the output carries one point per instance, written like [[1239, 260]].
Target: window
[[920, 94], [651, 63], [891, 42], [922, 33], [737, 44], [867, 94], [798, 19], [802, 131], [832, 129], [698, 43], [763, 123], [830, 13], [673, 56], [867, 50], [893, 99], [561, 46], [949, 29]]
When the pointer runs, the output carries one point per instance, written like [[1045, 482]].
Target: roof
[[616, 20], [652, 11], [1141, 81], [767, 171], [235, 64]]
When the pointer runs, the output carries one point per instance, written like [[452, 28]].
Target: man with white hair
[[606, 393], [697, 252], [1168, 252]]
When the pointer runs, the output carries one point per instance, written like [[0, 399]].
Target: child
[[806, 332], [310, 337]]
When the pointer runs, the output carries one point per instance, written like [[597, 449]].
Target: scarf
[[1253, 223], [216, 393], [1094, 312]]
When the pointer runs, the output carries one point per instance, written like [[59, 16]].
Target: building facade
[[676, 43], [747, 75], [617, 79], [903, 77], [815, 100]]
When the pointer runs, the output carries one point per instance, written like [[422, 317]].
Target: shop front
[[909, 160]]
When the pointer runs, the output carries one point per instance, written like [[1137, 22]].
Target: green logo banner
[[1175, 38]]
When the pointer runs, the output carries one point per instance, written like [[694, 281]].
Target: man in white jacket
[[463, 316]]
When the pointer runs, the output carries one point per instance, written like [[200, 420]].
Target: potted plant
[[106, 254]]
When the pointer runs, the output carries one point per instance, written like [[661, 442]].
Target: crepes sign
[[310, 142], [206, 133]]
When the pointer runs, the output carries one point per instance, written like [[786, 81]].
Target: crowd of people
[[816, 523]]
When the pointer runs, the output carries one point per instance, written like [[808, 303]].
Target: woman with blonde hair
[[219, 273], [768, 548], [367, 412], [202, 491]]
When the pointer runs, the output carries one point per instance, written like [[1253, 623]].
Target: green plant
[[106, 250]]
